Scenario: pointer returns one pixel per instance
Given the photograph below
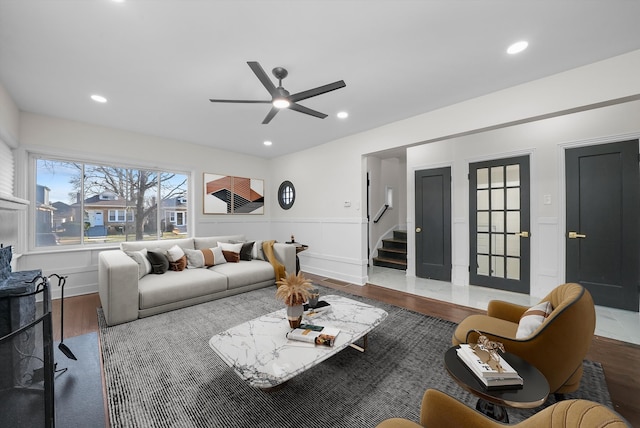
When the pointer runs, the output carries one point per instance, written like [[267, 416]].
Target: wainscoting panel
[[547, 275], [79, 265], [336, 246]]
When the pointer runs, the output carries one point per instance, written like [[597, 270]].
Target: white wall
[[326, 176], [330, 174], [9, 118], [545, 142], [59, 137]]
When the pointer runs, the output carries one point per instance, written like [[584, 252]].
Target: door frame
[[562, 183]]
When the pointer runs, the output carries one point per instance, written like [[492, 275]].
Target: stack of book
[[321, 307], [315, 334], [487, 371]]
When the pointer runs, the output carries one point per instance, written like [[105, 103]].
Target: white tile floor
[[612, 323]]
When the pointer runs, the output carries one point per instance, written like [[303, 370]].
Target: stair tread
[[394, 250], [389, 260]]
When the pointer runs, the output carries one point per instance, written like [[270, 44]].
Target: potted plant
[[294, 290]]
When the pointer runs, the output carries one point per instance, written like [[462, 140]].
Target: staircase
[[393, 253]]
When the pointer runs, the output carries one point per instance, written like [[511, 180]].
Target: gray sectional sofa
[[127, 293]]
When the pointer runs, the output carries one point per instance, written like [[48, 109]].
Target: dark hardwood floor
[[620, 360]]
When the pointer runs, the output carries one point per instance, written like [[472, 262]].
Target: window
[[120, 216], [178, 218], [79, 203], [286, 195]]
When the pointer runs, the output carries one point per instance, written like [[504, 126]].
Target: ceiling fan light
[[281, 103]]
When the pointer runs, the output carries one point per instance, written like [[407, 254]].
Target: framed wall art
[[226, 194]]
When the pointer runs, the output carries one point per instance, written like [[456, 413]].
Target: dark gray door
[[499, 247], [602, 242], [433, 224]]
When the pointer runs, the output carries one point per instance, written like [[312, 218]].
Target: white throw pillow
[[235, 248], [257, 253], [140, 257], [532, 319], [175, 253], [198, 259]]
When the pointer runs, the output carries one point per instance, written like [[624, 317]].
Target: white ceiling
[[159, 61]]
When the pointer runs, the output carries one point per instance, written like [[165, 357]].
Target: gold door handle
[[522, 234], [418, 230], [574, 235]]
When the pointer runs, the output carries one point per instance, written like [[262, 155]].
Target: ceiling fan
[[280, 97]]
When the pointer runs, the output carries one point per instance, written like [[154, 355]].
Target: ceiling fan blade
[[270, 115], [262, 76], [306, 110], [317, 91], [239, 101]]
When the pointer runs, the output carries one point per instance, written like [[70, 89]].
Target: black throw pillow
[[159, 261], [246, 250]]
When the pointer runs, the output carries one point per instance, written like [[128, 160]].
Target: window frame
[[31, 184], [286, 195]]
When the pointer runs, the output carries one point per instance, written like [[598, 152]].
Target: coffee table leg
[[495, 411], [362, 348]]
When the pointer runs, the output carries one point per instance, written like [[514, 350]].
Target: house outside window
[[79, 203]]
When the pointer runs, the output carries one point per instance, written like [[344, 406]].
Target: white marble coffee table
[[259, 352]]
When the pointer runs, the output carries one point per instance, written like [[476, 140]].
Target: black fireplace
[[26, 347]]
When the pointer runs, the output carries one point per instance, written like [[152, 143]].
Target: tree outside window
[[81, 203]]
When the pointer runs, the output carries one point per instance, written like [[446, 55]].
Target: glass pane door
[[499, 224]]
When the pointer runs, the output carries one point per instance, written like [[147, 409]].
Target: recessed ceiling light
[[517, 47], [119, 1], [267, 143], [98, 98], [342, 115]]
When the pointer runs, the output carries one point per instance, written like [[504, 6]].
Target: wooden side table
[[492, 402]]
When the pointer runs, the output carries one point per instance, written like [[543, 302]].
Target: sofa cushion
[[179, 265], [245, 273], [246, 251], [212, 241], [257, 253], [175, 253], [231, 251], [140, 257], [204, 257], [159, 262], [230, 256], [156, 290], [163, 244]]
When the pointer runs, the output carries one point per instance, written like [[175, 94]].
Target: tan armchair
[[440, 410], [556, 348]]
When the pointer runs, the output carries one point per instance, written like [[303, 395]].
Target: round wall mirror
[[286, 195]]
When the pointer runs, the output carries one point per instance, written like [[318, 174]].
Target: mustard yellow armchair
[[557, 347], [439, 410]]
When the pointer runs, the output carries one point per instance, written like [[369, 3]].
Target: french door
[[499, 224]]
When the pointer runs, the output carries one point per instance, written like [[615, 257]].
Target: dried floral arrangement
[[294, 289]]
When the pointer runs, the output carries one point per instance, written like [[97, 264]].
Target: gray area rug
[[160, 372]]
